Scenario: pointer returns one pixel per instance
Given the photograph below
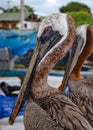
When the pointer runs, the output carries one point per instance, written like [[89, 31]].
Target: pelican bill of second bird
[[55, 36]]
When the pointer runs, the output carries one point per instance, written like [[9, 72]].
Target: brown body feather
[[35, 118], [85, 105], [60, 109]]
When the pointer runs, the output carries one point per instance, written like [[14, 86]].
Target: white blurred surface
[[55, 81], [18, 125], [11, 80]]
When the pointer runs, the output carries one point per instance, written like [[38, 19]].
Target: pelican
[[47, 107], [84, 86], [79, 85], [82, 49]]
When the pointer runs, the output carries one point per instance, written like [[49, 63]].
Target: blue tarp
[[7, 105], [19, 41]]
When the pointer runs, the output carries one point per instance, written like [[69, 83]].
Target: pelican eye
[[48, 29], [46, 34]]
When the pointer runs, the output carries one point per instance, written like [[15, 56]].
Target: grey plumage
[[84, 104], [38, 119], [82, 87], [59, 109]]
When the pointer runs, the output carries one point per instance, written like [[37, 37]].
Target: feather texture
[[64, 112]]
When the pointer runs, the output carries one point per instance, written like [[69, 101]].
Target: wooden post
[[8, 5], [22, 13]]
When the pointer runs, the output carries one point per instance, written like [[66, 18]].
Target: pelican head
[[56, 32]]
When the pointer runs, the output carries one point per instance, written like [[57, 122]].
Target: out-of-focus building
[[12, 20]]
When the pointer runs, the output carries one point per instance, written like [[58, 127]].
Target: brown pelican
[[79, 85], [84, 86], [47, 107], [82, 49]]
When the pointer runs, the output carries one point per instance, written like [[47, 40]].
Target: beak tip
[[11, 121]]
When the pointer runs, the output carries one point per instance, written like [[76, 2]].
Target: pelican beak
[[73, 58], [42, 47], [25, 88]]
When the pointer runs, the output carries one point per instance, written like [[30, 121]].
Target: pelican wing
[[64, 112]]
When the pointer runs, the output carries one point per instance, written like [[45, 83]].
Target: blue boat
[[19, 41]]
